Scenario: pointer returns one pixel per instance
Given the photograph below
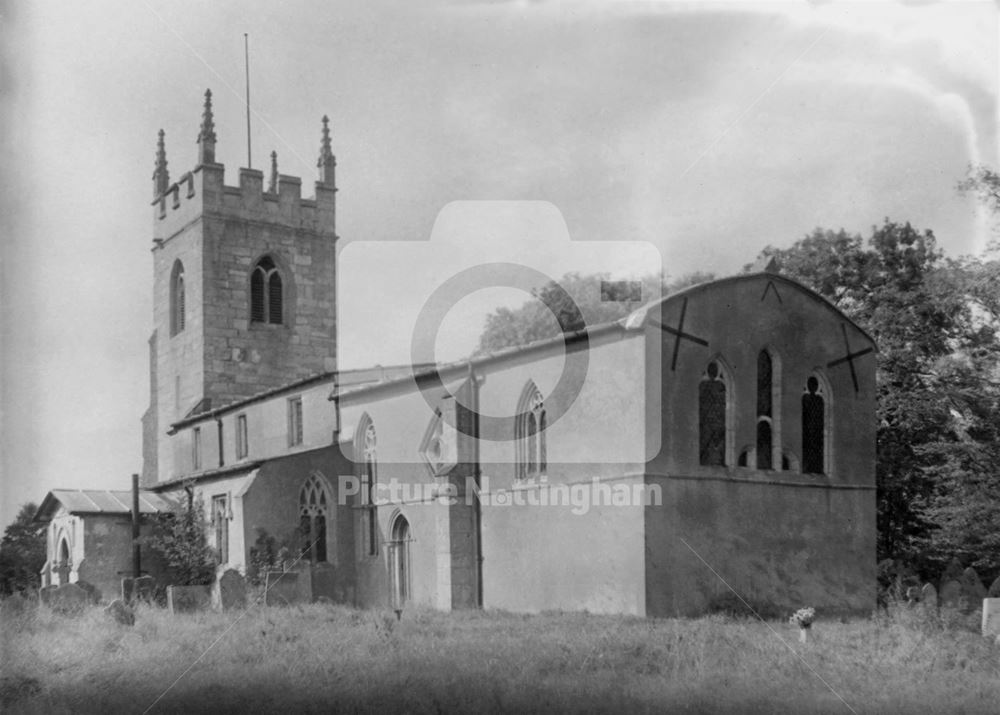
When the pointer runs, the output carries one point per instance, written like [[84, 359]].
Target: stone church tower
[[244, 288]]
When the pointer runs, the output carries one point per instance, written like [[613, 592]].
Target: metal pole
[[136, 555], [246, 57]]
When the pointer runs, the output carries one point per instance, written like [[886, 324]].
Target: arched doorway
[[63, 566], [399, 561]]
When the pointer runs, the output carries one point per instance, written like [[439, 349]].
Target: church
[[718, 441]]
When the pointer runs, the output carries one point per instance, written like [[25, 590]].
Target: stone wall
[[271, 503], [218, 233], [781, 547]]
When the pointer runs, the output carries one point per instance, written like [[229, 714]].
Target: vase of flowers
[[803, 618]]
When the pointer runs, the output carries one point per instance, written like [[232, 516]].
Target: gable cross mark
[[679, 333], [769, 287], [849, 357]]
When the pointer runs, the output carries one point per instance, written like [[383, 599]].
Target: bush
[[179, 538], [263, 558]]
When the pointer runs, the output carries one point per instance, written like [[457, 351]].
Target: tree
[[984, 183], [179, 538], [935, 325], [22, 552], [574, 302]]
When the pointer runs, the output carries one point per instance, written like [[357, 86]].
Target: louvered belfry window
[[274, 298], [266, 295]]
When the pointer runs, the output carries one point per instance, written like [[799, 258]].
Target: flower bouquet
[[803, 618]]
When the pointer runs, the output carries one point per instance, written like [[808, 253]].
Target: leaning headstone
[[952, 594], [975, 591], [994, 591], [121, 613], [991, 618], [928, 597], [185, 599], [69, 599], [232, 590], [282, 588]]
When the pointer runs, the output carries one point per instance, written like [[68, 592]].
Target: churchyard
[[322, 658]]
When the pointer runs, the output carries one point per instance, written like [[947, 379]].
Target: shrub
[[263, 557], [179, 538]]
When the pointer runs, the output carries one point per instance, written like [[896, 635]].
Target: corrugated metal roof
[[103, 501]]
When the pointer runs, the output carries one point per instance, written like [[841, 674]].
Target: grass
[[324, 658]]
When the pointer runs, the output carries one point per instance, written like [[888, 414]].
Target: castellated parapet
[[209, 347], [203, 193]]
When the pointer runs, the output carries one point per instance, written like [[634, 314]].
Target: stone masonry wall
[[219, 232]]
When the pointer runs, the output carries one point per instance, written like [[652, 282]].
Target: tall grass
[[323, 658]]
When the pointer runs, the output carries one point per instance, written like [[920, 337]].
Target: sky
[[617, 136]]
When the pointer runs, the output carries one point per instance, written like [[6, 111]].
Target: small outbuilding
[[89, 535]]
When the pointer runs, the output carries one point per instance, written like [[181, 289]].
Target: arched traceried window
[[543, 463], [814, 427], [532, 451], [313, 510], [274, 298], [177, 298], [712, 417], [529, 433], [369, 482], [765, 436], [399, 561], [266, 296]]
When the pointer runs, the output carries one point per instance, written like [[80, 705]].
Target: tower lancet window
[[177, 298], [266, 298]]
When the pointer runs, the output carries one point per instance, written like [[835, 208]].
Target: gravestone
[[952, 572], [16, 604], [231, 590], [138, 589], [928, 597], [324, 582], [121, 613], [991, 618], [994, 591], [952, 594], [69, 599], [975, 591], [283, 588], [186, 599], [92, 591]]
